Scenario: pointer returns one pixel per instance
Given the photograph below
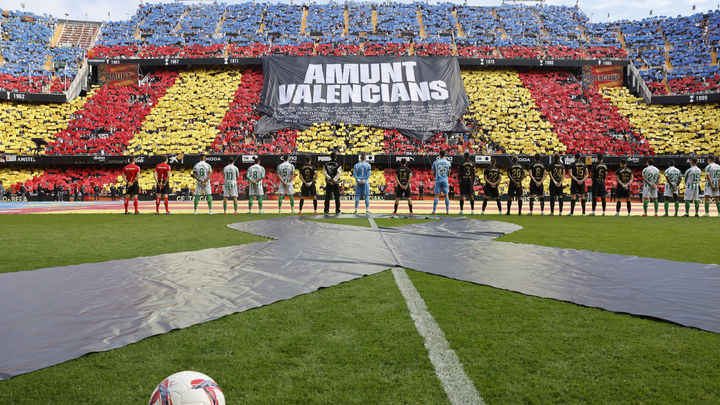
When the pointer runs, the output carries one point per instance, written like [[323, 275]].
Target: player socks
[[499, 206], [617, 207], [697, 207], [224, 206], [209, 202], [301, 204], [602, 201], [582, 202], [157, 205], [628, 206], [410, 206], [484, 205], [292, 202], [259, 199], [315, 205], [645, 205], [280, 200], [508, 207], [250, 200], [677, 207], [472, 204], [447, 204], [235, 205], [572, 207], [135, 204], [717, 206], [167, 204], [594, 204], [462, 203], [396, 206], [357, 202], [655, 205], [435, 201], [197, 200], [687, 207], [519, 207], [707, 207], [531, 204], [126, 201], [667, 206], [367, 202]]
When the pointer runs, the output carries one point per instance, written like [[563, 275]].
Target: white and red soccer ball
[[187, 388]]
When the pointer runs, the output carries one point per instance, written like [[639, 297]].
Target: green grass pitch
[[355, 343]]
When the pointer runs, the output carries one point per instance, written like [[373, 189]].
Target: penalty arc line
[[449, 370]]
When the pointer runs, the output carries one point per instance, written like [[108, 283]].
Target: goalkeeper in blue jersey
[[361, 172], [441, 169]]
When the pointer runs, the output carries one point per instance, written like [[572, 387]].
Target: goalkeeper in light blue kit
[[361, 172], [441, 169]]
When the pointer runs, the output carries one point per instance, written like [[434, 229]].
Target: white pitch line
[[457, 385], [449, 370]]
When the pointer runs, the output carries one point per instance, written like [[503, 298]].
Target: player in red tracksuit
[[162, 180], [130, 174]]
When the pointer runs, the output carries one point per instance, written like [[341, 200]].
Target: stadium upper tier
[[675, 55], [214, 110]]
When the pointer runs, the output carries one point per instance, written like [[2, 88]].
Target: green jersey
[[202, 170], [256, 173], [672, 176], [651, 174], [712, 174], [231, 175], [692, 178]]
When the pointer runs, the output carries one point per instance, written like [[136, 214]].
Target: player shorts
[[133, 189], [692, 194], [669, 191], [649, 192], [402, 192], [555, 190], [577, 188], [514, 190], [285, 189], [535, 189], [598, 190], [332, 189], [490, 191], [466, 188], [362, 190], [622, 192], [255, 189], [199, 189], [308, 191], [164, 189], [441, 186], [709, 192], [230, 190]]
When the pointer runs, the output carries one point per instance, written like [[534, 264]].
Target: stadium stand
[[110, 117], [584, 121], [177, 126], [21, 122], [671, 129], [506, 111]]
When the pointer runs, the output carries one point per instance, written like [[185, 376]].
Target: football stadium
[[239, 202]]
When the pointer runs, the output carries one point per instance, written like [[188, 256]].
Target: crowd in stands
[[28, 63]]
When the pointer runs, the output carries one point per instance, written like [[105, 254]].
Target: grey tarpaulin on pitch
[[419, 95], [57, 314]]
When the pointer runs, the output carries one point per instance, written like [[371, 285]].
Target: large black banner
[[419, 95]]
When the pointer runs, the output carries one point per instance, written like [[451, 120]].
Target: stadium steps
[[458, 26], [78, 34], [666, 49], [303, 21], [346, 19], [713, 58], [667, 86], [221, 22], [374, 20], [621, 38], [179, 22], [57, 34], [2, 60], [423, 33], [48, 63]]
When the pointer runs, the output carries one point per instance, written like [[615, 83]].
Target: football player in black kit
[[578, 174], [557, 175], [308, 175], [490, 189], [332, 171], [599, 174], [466, 178], [537, 177], [516, 173], [403, 176], [624, 178]]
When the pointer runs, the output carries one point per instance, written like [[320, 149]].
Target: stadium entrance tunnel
[[57, 314]]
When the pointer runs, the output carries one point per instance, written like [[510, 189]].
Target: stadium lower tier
[[106, 182], [213, 110]]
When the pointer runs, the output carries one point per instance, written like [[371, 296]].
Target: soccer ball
[[187, 388]]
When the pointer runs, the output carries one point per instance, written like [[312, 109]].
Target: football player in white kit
[[651, 177], [692, 187], [201, 173], [673, 177], [712, 184], [286, 173], [231, 174], [255, 176]]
